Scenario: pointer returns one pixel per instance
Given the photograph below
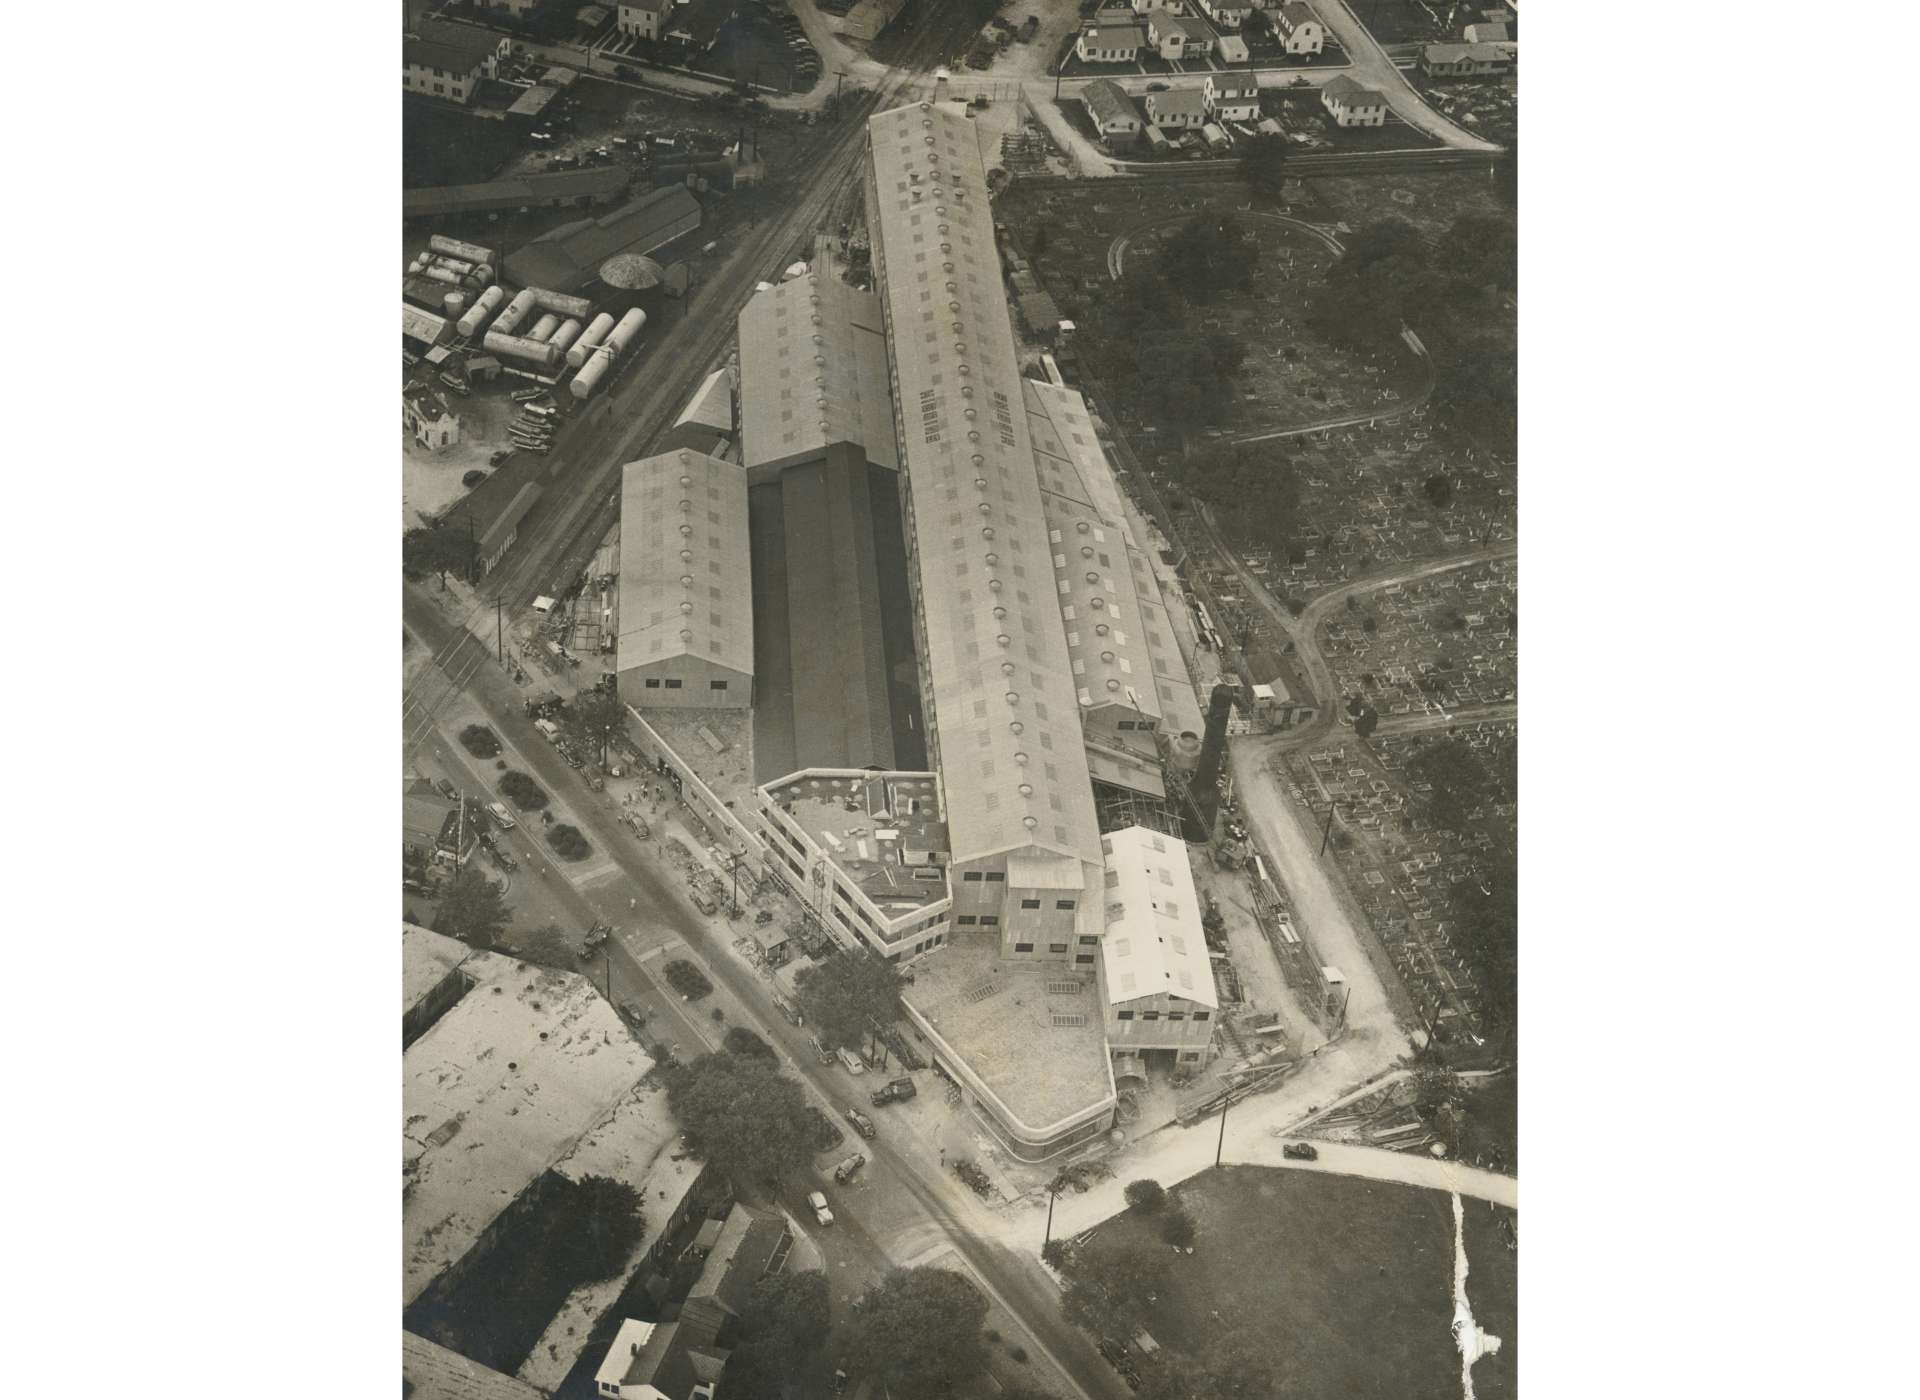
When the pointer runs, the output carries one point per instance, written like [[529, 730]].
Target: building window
[[716, 685], [1149, 1015], [996, 877], [672, 683], [989, 921], [1083, 958], [1203, 1015], [1063, 904], [653, 683], [971, 875], [967, 919], [1023, 947], [1088, 940], [1056, 947], [1125, 1015], [1176, 1015], [1029, 904]]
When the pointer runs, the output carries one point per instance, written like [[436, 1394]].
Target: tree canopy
[[472, 909], [1255, 482], [751, 1120], [1265, 162], [1208, 256], [1108, 1289], [918, 1332], [438, 549], [592, 720], [782, 1339], [842, 995]]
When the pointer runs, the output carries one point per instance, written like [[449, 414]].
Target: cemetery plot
[[1430, 646]]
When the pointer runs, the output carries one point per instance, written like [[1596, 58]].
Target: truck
[[896, 1091], [843, 1173], [862, 1124]]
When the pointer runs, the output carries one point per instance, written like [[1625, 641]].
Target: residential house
[[1350, 104], [434, 826], [1463, 60], [1113, 14], [684, 1359], [449, 60], [1228, 14], [1170, 7], [1486, 34], [1110, 110], [1299, 28], [1175, 36], [428, 419], [519, 9], [1109, 44], [1232, 97], [1183, 107], [644, 18]]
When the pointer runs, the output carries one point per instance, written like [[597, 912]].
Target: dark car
[[1300, 1152]]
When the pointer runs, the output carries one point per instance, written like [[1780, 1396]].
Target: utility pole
[[1327, 835], [609, 953], [1053, 1189], [499, 633], [1221, 1146]]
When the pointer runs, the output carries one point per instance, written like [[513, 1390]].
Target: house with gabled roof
[[1232, 97], [1175, 36], [1110, 110], [1182, 107], [1109, 43], [1350, 104], [1299, 28]]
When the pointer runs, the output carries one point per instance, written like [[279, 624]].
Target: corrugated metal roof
[[1154, 943], [685, 589], [1002, 707], [569, 257], [813, 371], [712, 405], [601, 181]]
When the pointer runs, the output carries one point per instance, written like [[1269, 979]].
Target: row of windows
[[984, 920], [673, 683], [1171, 1015]]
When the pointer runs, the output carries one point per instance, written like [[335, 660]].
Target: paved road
[[903, 1192]]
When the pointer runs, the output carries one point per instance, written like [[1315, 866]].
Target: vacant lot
[[441, 145], [1348, 1283]]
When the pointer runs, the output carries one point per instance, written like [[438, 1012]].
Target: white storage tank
[[515, 313], [588, 343], [455, 302], [590, 373], [440, 274], [472, 252], [624, 333], [563, 337], [520, 348], [560, 305], [482, 308], [544, 327]]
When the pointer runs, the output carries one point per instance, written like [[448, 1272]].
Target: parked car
[[853, 1062], [862, 1123], [843, 1173], [818, 1201], [1300, 1152], [896, 1091], [501, 816]]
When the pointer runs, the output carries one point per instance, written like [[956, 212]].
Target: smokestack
[[1205, 783]]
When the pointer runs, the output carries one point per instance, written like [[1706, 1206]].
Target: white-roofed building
[[813, 371], [997, 685], [1156, 981], [685, 595]]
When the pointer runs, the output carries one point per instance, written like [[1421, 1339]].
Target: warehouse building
[[1156, 980], [568, 258], [996, 680], [685, 602], [601, 184], [833, 630]]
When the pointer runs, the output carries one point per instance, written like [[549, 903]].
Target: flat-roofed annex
[[1003, 712]]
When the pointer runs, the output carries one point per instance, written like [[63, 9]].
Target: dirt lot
[[1407, 21], [1348, 1284], [1488, 109]]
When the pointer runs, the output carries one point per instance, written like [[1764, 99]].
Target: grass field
[[1347, 1283]]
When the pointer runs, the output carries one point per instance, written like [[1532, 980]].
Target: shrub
[[570, 844], [1018, 1353], [1053, 1253], [1146, 1195], [977, 1181], [741, 1041], [687, 979], [480, 741], [1177, 1230], [522, 791], [718, 1014]]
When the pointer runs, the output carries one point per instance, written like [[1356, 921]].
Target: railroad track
[[454, 664]]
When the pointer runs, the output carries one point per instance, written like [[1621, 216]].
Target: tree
[[1145, 1195], [548, 945], [782, 1339], [1438, 490], [1109, 1291], [918, 1332], [592, 720], [472, 909], [847, 992], [1435, 1086], [438, 549], [1264, 165], [1208, 256], [1053, 1253], [1233, 1368], [608, 1226], [750, 1119]]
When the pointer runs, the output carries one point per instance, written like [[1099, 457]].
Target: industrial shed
[[568, 258]]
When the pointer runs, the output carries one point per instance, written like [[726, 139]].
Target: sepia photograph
[[961, 699]]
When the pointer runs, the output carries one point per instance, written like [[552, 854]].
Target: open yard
[[1347, 1284]]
